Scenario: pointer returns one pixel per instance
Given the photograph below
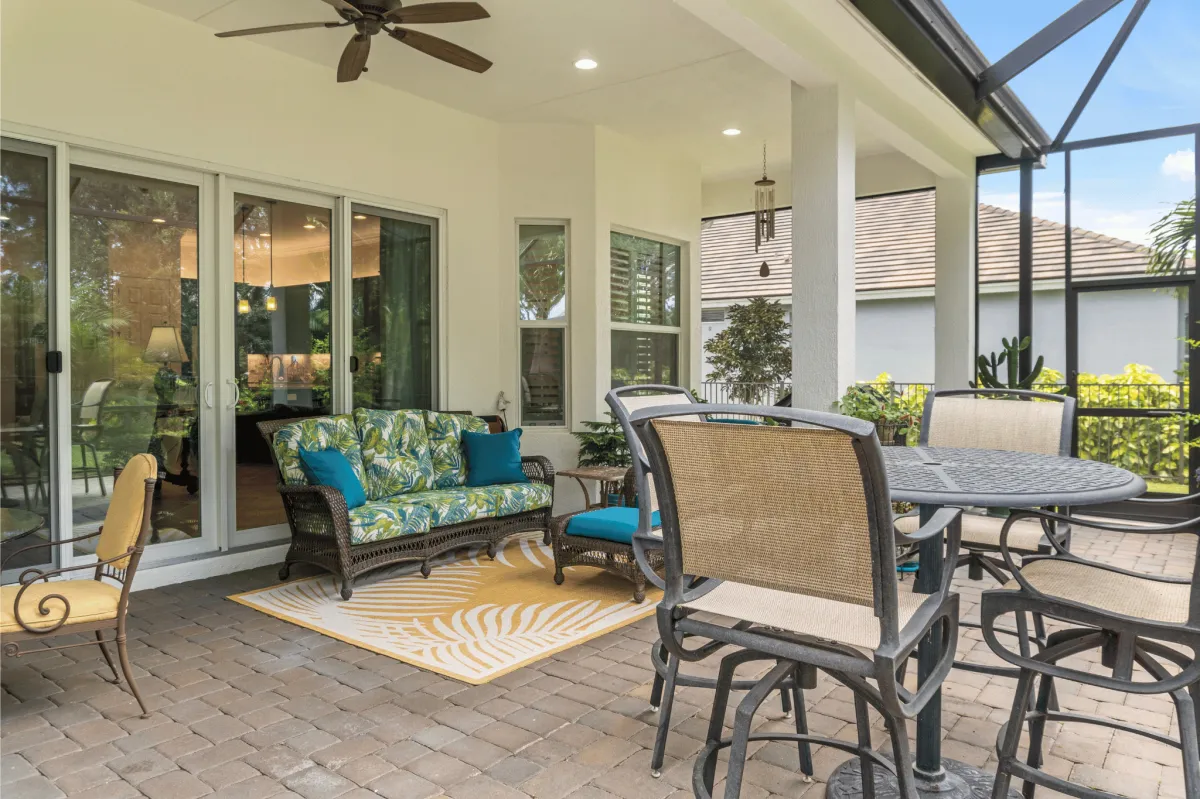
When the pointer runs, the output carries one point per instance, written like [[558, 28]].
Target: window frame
[[561, 323], [681, 281]]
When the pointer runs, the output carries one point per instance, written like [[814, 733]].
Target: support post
[[823, 152], [1025, 268], [954, 281]]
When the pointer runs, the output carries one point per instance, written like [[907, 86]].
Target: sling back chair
[[1005, 419], [647, 556], [786, 532], [1129, 617], [37, 608]]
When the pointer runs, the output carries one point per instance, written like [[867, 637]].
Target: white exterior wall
[[896, 335], [123, 78]]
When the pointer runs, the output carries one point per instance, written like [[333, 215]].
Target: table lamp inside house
[[164, 347]]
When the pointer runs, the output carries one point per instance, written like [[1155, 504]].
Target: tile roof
[[894, 249]]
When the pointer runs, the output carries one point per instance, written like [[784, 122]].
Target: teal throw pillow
[[493, 458], [328, 467]]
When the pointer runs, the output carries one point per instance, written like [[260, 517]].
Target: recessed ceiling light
[[586, 63], [158, 221], [732, 132], [360, 216], [310, 226]]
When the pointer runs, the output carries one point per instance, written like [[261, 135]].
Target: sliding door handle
[[208, 394], [237, 394]]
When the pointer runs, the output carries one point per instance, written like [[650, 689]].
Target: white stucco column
[[954, 289], [822, 245]]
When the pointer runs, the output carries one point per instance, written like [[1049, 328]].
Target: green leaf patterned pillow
[[316, 434], [445, 445], [395, 452]]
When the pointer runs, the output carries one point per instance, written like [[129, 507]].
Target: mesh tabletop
[[996, 478]]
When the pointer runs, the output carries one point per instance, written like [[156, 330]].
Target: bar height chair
[[786, 531], [646, 542], [1130, 618]]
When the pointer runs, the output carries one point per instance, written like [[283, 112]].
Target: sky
[[1154, 83]]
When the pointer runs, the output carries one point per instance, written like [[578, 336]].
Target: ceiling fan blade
[[436, 12], [440, 48], [354, 58], [295, 26], [342, 5]]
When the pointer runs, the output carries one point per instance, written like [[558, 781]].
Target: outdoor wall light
[[586, 63], [732, 132]]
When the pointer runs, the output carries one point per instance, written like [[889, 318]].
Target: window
[[644, 303], [392, 309], [542, 268]]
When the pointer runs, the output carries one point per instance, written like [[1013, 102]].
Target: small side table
[[610, 479]]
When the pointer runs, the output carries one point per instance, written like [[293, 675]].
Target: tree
[[1174, 240], [754, 351]]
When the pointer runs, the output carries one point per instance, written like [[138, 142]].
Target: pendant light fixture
[[271, 305], [764, 209], [243, 306]]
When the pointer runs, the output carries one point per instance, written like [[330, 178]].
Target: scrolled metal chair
[[36, 609], [787, 532], [1130, 617], [646, 543]]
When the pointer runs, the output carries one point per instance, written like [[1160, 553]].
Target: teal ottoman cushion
[[611, 524]]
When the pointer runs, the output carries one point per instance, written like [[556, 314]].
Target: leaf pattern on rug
[[474, 618]]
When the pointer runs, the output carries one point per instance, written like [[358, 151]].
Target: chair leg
[[1012, 734], [96, 464], [657, 689], [639, 587], [902, 757], [1187, 707], [1037, 730], [863, 722], [716, 718], [805, 749], [786, 702], [123, 654], [743, 718], [108, 659], [348, 588], [666, 702], [87, 486]]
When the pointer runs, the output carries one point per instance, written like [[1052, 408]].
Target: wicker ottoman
[[612, 554]]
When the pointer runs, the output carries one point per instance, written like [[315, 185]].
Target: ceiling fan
[[369, 17]]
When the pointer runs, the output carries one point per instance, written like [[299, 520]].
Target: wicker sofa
[[413, 471]]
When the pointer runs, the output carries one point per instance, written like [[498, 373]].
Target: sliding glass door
[[26, 450], [280, 353], [392, 311], [136, 324]]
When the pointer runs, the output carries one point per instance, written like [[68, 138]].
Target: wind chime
[[764, 212]]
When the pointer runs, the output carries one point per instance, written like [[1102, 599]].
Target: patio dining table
[[933, 478]]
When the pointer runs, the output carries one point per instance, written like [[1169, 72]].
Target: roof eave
[[929, 37]]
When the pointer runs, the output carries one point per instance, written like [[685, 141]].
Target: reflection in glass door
[[281, 360], [392, 309], [135, 331], [25, 448]]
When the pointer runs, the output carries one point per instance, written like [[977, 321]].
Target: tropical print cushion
[[316, 434], [511, 498], [378, 521], [395, 452], [445, 446], [456, 505]]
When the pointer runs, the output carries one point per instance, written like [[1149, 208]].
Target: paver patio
[[245, 705]]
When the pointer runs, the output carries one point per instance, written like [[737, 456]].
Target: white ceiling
[[664, 76]]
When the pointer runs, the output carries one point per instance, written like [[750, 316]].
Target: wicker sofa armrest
[[538, 469], [317, 510]]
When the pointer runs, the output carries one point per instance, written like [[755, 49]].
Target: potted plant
[[893, 414]]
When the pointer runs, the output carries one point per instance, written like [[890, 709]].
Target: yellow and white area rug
[[474, 618]]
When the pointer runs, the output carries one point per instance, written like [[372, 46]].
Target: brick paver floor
[[249, 707]]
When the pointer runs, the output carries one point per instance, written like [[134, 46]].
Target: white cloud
[[1180, 164]]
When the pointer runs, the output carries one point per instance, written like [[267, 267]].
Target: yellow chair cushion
[[126, 507], [90, 600]]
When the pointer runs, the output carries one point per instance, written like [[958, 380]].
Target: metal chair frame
[[1123, 642], [102, 569], [937, 615], [647, 552]]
